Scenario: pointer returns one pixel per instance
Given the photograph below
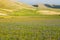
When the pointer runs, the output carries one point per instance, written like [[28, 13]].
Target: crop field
[[29, 28]]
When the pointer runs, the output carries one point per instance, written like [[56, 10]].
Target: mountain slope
[[10, 6], [42, 6], [13, 5], [45, 10]]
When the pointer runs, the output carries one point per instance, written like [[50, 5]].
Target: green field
[[20, 21], [29, 28]]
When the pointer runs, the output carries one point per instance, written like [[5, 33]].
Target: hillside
[[48, 9], [9, 6], [14, 8], [53, 6], [42, 6]]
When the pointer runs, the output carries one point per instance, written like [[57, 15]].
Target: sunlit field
[[29, 28], [20, 21]]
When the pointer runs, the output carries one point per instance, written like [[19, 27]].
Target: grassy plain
[[19, 21], [29, 28]]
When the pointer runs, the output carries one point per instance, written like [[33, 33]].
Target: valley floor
[[29, 28]]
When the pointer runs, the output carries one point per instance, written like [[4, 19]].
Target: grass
[[50, 9], [27, 12], [24, 12], [29, 28], [27, 24]]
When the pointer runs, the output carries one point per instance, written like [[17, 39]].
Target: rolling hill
[[48, 9], [14, 8], [9, 7], [8, 4]]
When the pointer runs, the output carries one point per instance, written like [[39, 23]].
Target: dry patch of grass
[[47, 12]]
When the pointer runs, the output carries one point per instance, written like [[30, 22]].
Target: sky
[[40, 1]]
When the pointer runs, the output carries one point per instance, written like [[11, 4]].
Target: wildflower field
[[29, 28]]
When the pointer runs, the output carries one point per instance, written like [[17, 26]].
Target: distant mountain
[[40, 6], [52, 6], [47, 5], [48, 9]]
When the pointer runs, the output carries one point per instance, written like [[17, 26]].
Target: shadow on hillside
[[53, 6], [48, 5]]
